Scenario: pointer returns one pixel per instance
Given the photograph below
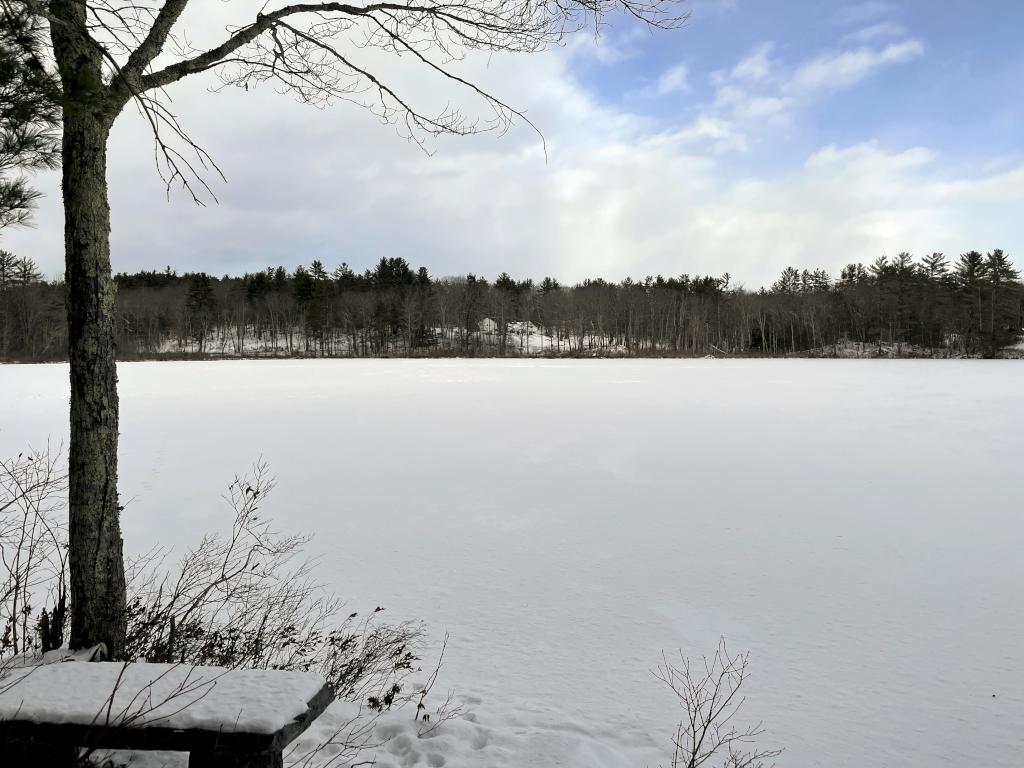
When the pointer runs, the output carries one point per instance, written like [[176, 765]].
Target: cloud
[[718, 135], [861, 12], [761, 91], [757, 66], [611, 47], [672, 80], [875, 32], [837, 70], [674, 212]]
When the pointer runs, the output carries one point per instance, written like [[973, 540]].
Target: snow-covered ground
[[857, 525]]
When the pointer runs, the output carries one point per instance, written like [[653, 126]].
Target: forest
[[972, 306]]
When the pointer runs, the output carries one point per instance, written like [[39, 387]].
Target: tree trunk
[[95, 555]]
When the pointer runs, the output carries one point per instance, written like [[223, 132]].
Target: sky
[[759, 135]]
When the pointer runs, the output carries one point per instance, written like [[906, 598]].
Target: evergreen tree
[[25, 272], [936, 267], [302, 286], [29, 110], [971, 276], [200, 307], [999, 270], [853, 274], [935, 300], [317, 271], [280, 280], [788, 282], [8, 269], [547, 285], [345, 278]]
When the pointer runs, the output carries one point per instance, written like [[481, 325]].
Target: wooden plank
[[30, 755], [314, 708]]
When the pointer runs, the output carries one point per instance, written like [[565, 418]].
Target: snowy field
[[857, 525]]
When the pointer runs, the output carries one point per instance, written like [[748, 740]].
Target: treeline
[[973, 306]]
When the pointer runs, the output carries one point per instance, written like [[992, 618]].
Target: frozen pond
[[857, 525]]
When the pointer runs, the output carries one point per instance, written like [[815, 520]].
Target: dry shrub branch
[[708, 692]]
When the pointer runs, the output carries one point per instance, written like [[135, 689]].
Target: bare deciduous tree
[[709, 693], [109, 54]]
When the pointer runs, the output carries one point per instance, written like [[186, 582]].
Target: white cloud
[[875, 32], [761, 92], [673, 80], [718, 135], [834, 71], [861, 12], [673, 212], [757, 66], [611, 47]]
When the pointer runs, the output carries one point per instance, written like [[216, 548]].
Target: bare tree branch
[[709, 694], [155, 40]]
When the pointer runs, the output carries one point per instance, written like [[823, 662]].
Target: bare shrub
[[33, 552], [709, 693], [247, 599]]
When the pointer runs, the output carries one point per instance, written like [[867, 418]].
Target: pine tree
[[317, 271], [853, 274], [936, 266], [200, 305], [934, 296], [29, 111], [999, 271], [345, 277], [788, 282], [302, 283], [8, 269], [25, 272], [547, 285], [970, 278]]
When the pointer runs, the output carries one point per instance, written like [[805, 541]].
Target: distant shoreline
[[1008, 353]]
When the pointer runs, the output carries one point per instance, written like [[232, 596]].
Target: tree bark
[[96, 564]]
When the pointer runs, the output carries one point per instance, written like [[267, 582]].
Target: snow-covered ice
[[855, 524]]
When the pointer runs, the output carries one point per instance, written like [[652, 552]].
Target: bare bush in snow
[[33, 552], [709, 693], [248, 599]]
